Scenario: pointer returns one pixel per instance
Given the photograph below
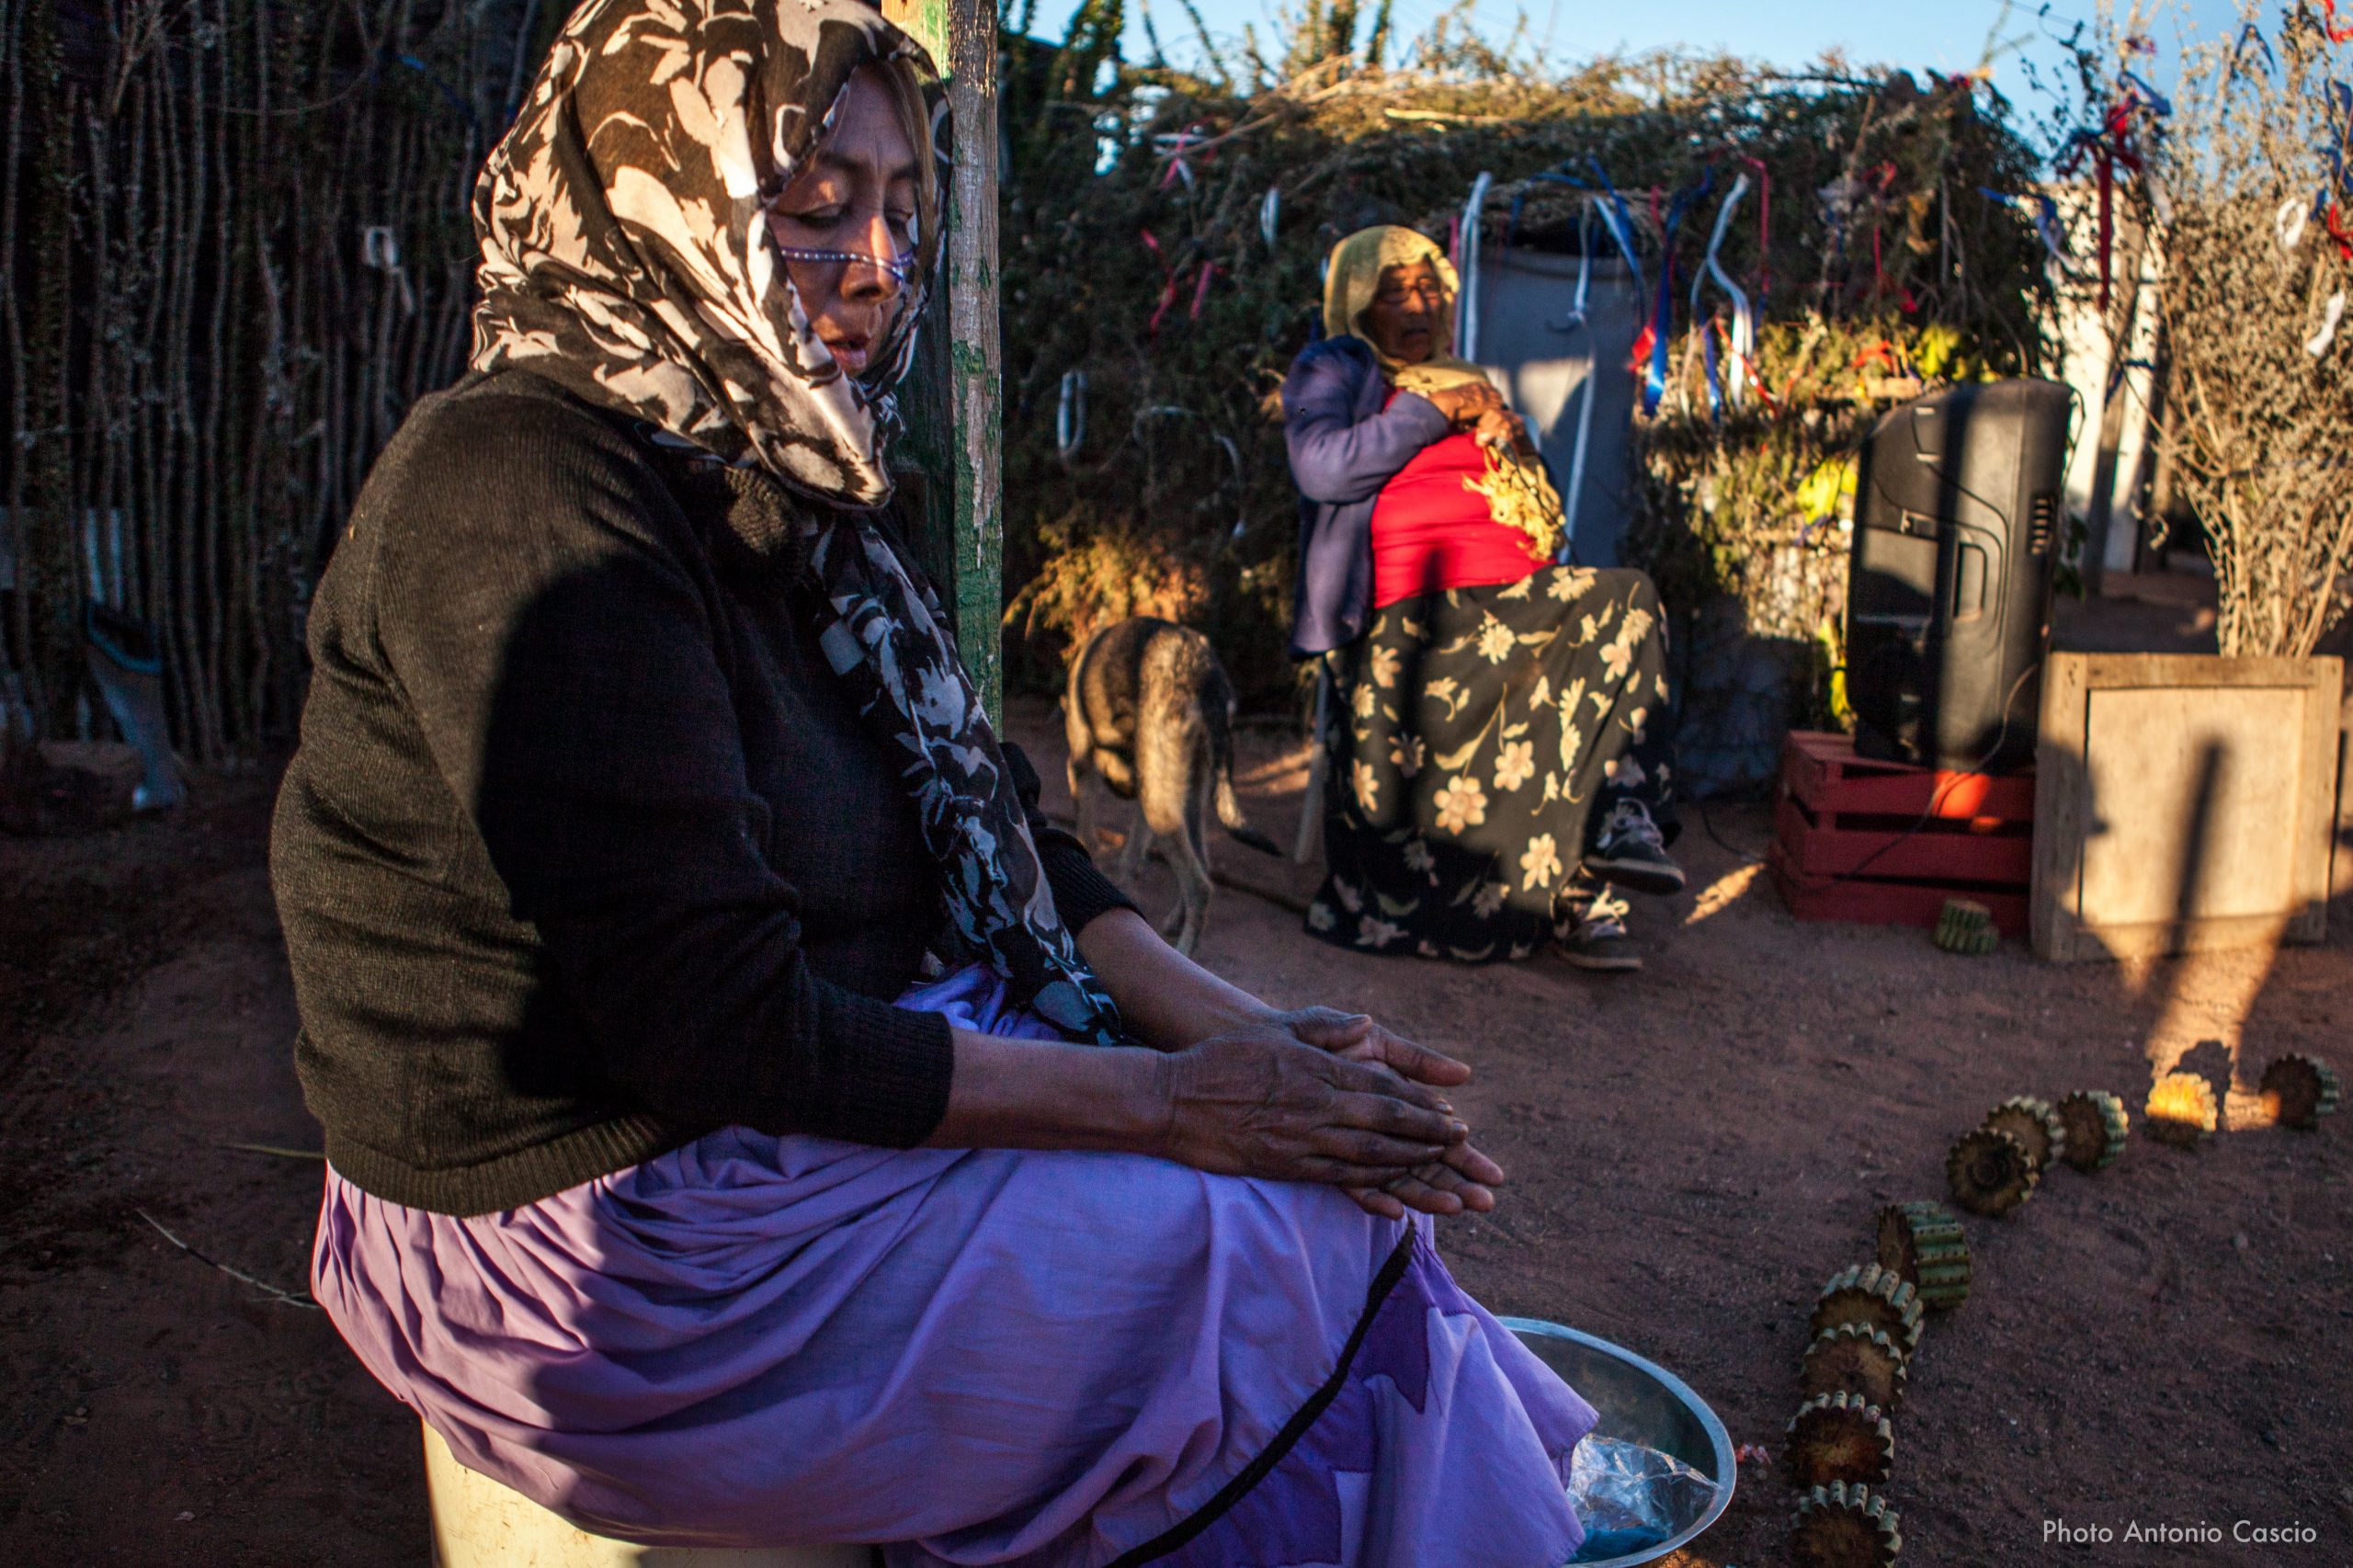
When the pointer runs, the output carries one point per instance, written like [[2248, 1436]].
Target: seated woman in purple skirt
[[747, 1121]]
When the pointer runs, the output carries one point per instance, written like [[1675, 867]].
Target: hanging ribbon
[[1709, 335], [1176, 147], [1268, 212], [2158, 104], [2333, 221], [2045, 212], [2336, 33], [1172, 286], [1662, 325], [1618, 222], [2238, 48], [380, 249], [1173, 283], [1070, 415], [2318, 343], [2109, 148], [1743, 337], [2340, 109], [2289, 221]]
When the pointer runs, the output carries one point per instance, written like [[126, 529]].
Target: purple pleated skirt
[[969, 1357]]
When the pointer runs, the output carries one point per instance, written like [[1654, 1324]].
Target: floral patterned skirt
[[1482, 727]]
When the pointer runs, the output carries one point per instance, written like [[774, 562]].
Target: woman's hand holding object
[[1501, 429], [1464, 405]]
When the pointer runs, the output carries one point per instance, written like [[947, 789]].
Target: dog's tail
[[1217, 706]]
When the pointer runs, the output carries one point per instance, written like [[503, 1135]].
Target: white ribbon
[[2317, 345], [381, 248], [1268, 212], [2290, 220], [1744, 316]]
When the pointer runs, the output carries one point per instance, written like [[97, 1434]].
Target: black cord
[[1708, 821]]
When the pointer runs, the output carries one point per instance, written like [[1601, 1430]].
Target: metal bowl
[[1639, 1401]]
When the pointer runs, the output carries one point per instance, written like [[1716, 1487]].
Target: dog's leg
[[1139, 842], [1183, 848], [1192, 912], [1078, 811]]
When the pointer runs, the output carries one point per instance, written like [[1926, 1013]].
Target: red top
[[1431, 531]]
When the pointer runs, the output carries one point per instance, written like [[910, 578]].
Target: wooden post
[[962, 37], [975, 355]]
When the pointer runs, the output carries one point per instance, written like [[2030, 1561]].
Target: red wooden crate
[[1872, 902], [1822, 771], [1939, 850], [1883, 843]]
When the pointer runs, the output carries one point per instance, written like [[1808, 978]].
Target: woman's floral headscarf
[[625, 239], [626, 255]]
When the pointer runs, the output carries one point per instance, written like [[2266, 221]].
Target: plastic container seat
[[477, 1523]]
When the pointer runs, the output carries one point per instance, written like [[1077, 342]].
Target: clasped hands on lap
[[1224, 1083]]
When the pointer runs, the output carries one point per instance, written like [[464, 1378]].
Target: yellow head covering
[[1354, 278], [1517, 490]]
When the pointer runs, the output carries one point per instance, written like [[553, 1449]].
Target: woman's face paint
[[847, 224], [1403, 318]]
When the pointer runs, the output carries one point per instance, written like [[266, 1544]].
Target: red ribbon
[[1168, 285], [1173, 284], [2111, 149], [2336, 33], [1174, 146], [1639, 361], [1881, 353], [2337, 231]]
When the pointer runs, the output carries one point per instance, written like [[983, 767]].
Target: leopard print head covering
[[623, 224]]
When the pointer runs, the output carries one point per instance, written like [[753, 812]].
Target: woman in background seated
[[1502, 760]]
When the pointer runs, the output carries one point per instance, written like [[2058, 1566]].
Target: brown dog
[[1150, 712]]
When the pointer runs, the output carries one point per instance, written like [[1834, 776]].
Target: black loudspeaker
[[1957, 513]]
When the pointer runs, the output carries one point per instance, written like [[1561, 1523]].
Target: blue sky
[[1946, 35]]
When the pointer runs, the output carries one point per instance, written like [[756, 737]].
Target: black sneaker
[[1629, 851], [1594, 937]]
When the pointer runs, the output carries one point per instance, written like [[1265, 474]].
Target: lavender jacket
[[1344, 448]]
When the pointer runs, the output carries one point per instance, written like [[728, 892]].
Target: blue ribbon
[[2340, 103], [2238, 47], [2158, 102], [2046, 218], [1617, 220], [1715, 377], [1662, 312], [1614, 216]]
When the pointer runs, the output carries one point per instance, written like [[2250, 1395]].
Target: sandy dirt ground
[[1693, 1152]]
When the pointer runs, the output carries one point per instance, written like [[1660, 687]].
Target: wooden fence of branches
[[236, 245]]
